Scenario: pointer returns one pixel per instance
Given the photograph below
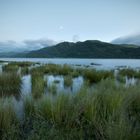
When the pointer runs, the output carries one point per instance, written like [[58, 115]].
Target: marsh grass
[[94, 76], [24, 70], [38, 85], [54, 69], [21, 64], [10, 68], [9, 126], [52, 89], [130, 73], [107, 111], [68, 81], [10, 84]]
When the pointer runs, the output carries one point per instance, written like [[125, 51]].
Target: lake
[[96, 63]]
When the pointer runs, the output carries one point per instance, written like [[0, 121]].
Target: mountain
[[86, 49], [131, 39]]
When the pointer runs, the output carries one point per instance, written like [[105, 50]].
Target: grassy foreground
[[107, 112]]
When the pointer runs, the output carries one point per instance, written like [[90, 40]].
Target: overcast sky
[[69, 20]]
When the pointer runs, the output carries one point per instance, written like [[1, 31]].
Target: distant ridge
[[86, 49]]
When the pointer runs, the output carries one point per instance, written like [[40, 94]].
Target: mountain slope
[[87, 49]]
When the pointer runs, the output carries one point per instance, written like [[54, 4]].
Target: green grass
[[52, 89], [10, 68], [21, 64], [68, 81], [38, 85], [94, 76], [107, 112], [9, 126], [130, 73], [10, 84], [24, 70]]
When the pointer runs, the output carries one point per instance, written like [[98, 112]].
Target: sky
[[69, 20]]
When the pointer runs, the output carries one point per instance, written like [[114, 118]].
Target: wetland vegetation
[[103, 107]]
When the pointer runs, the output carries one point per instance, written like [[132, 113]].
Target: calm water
[[97, 63]]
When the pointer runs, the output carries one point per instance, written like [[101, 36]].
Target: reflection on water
[[19, 108], [130, 81], [59, 83], [26, 84]]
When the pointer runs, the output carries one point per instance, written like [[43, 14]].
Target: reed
[[9, 126], [68, 81], [10, 84], [38, 85]]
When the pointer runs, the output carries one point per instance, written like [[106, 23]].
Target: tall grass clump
[[94, 76], [9, 126], [21, 64], [130, 73], [38, 84], [10, 84], [10, 68], [68, 81], [24, 70], [52, 89]]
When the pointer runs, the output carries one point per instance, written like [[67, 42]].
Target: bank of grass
[[10, 84], [10, 68], [54, 69], [130, 73], [21, 64], [94, 76]]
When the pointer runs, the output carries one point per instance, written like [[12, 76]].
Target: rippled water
[[97, 63]]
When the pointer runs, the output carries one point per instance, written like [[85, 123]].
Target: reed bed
[[10, 84]]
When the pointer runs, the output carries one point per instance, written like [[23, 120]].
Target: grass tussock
[[94, 76], [9, 126], [68, 81], [10, 84], [130, 73], [38, 85], [52, 89]]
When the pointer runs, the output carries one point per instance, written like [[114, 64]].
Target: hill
[[86, 49]]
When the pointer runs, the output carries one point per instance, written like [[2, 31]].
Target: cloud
[[129, 39], [27, 45], [75, 38]]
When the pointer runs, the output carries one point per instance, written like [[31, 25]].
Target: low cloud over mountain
[[27, 45], [131, 39]]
